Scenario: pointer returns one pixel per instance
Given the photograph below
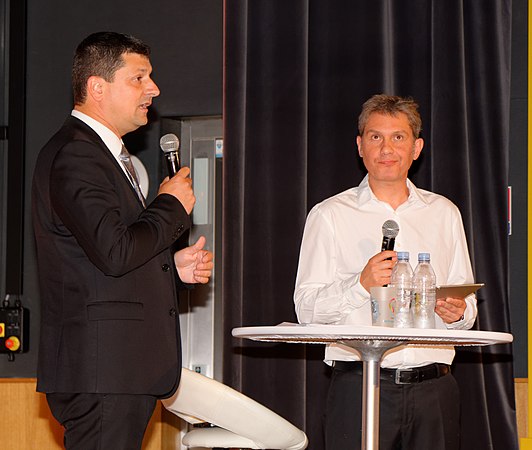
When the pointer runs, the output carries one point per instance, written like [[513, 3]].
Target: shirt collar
[[415, 195], [365, 194], [111, 140]]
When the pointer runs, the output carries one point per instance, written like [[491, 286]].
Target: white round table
[[371, 343]]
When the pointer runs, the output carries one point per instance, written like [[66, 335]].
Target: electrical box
[[13, 329]]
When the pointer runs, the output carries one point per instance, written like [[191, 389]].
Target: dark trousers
[[416, 416], [102, 421]]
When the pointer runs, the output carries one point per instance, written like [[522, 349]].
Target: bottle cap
[[423, 257], [403, 256]]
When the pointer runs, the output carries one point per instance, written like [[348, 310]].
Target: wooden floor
[[521, 406], [27, 420]]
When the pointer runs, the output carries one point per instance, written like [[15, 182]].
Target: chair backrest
[[202, 399]]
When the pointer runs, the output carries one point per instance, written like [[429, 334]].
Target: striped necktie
[[125, 158]]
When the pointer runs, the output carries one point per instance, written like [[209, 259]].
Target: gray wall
[[186, 41]]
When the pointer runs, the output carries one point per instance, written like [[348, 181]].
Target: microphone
[[390, 230], [170, 146]]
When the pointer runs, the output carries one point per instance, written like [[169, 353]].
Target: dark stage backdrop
[[186, 41], [296, 74]]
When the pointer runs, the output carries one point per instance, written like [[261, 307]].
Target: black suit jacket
[[108, 285]]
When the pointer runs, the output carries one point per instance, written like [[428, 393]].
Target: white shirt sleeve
[[322, 295]]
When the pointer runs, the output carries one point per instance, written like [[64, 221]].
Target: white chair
[[239, 421]]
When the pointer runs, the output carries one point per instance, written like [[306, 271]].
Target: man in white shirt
[[341, 260]]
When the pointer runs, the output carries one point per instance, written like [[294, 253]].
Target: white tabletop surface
[[323, 334]]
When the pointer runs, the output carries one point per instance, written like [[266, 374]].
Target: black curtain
[[296, 75]]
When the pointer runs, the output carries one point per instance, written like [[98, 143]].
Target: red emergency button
[[12, 343]]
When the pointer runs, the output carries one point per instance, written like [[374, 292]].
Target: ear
[[95, 87], [418, 146], [359, 141]]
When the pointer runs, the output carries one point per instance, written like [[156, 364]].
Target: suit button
[[181, 228], [172, 312], [165, 267]]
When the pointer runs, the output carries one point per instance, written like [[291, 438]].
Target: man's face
[[388, 147], [126, 99]]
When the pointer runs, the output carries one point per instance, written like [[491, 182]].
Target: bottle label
[[424, 304]]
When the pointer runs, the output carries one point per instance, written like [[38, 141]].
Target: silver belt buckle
[[398, 372]]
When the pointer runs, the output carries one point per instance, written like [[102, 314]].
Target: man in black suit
[[110, 340]]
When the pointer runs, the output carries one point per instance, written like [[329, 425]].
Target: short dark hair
[[390, 105], [101, 54]]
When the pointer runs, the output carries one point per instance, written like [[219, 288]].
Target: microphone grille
[[390, 229], [169, 143]]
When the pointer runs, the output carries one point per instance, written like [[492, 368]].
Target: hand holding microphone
[[378, 270], [178, 183]]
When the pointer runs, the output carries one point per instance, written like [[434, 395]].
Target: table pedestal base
[[371, 354]]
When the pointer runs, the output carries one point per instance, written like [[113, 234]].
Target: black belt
[[400, 376]]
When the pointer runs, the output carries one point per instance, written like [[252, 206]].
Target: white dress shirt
[[344, 231]]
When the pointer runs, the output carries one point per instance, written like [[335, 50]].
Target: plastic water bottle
[[424, 282], [401, 280]]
